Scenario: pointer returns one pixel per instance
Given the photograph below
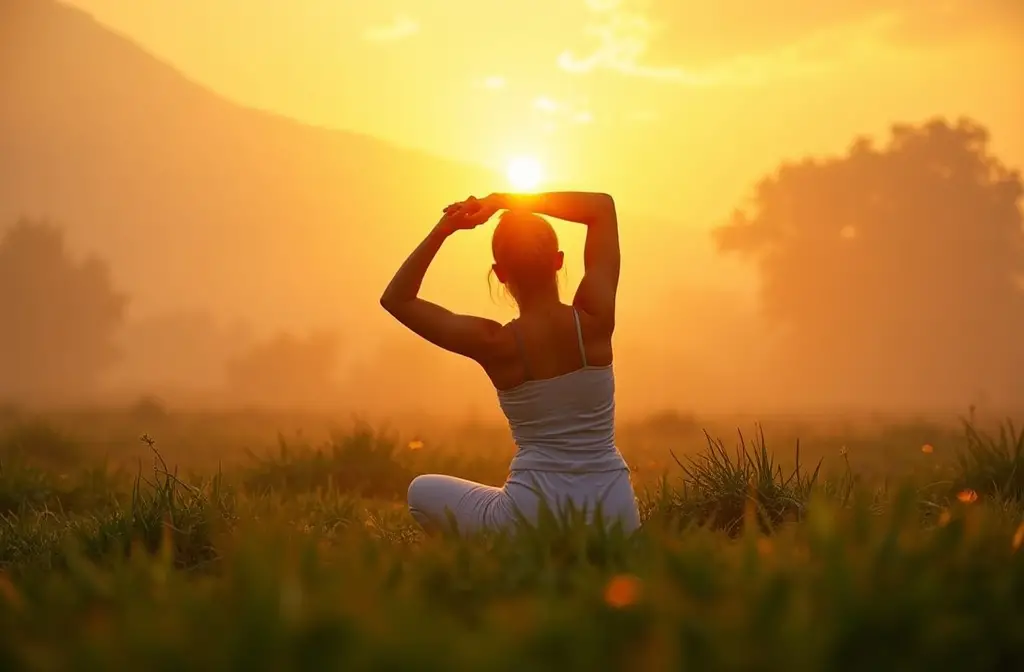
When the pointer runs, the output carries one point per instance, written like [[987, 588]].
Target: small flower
[[8, 592], [622, 591], [927, 449], [415, 444], [967, 496]]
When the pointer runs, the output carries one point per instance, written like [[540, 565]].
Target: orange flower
[[967, 496], [622, 591], [927, 449], [1018, 537], [8, 592]]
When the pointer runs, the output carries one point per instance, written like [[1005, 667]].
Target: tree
[[287, 371], [58, 316], [898, 268]]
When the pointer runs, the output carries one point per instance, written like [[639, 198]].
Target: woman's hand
[[470, 213]]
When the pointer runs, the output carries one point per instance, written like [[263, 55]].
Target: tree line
[[908, 253]]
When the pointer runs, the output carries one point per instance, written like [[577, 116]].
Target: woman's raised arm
[[472, 337]]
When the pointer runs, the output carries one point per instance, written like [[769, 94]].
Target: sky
[[676, 105]]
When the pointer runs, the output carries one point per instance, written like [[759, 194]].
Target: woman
[[551, 367]]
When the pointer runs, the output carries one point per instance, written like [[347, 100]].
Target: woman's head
[[526, 254]]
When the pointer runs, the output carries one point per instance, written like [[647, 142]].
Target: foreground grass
[[307, 560]]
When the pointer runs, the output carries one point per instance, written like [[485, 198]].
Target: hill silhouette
[[173, 184], [220, 221]]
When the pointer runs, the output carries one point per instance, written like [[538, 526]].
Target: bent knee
[[419, 490]]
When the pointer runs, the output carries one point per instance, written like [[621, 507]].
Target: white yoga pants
[[476, 507]]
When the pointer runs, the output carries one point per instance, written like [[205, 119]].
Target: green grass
[[767, 554]]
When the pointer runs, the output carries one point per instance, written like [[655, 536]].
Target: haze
[[248, 169]]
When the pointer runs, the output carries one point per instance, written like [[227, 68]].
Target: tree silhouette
[[58, 317], [287, 371], [899, 267]]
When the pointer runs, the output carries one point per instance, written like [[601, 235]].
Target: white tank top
[[565, 423]]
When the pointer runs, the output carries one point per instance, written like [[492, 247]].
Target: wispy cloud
[[759, 43], [583, 117], [623, 38], [400, 28], [494, 82], [551, 113], [545, 104]]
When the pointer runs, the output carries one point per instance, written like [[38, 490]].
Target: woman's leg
[[473, 505], [612, 491]]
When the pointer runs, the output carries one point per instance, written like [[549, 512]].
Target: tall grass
[[308, 559]]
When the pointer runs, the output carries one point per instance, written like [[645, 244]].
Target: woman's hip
[[610, 492]]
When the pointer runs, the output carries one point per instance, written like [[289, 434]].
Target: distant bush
[[148, 408], [672, 422], [38, 442], [362, 462]]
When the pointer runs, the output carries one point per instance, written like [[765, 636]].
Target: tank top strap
[[579, 335], [522, 350]]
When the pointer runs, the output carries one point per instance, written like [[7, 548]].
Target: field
[[146, 539]]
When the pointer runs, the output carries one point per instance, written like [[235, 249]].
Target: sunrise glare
[[525, 173]]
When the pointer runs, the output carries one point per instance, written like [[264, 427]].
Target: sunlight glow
[[525, 173]]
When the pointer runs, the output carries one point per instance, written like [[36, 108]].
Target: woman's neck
[[540, 301]]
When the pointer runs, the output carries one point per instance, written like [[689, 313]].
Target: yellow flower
[[967, 496], [622, 591], [927, 449]]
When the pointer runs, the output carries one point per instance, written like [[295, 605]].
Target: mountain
[[195, 201], [224, 223]]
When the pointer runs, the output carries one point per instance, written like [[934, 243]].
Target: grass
[[301, 555]]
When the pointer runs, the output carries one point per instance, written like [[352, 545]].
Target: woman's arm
[[472, 337], [601, 257]]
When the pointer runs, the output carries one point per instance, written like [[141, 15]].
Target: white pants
[[476, 507]]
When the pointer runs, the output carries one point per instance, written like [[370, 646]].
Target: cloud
[[551, 112], [583, 117], [545, 104], [400, 28], [494, 82], [736, 42]]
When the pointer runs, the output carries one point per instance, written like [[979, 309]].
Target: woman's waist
[[576, 458]]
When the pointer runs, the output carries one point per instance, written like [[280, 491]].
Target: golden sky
[[677, 103]]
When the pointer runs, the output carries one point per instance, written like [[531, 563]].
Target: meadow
[[149, 539]]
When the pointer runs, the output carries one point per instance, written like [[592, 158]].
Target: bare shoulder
[[595, 327], [503, 365], [502, 345], [597, 338]]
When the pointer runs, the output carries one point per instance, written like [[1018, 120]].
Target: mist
[[158, 240]]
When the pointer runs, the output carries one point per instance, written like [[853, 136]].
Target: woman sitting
[[551, 366]]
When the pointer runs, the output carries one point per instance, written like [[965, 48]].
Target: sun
[[525, 173]]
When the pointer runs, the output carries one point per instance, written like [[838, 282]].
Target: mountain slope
[[194, 200]]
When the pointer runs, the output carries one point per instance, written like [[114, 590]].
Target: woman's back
[[562, 417], [546, 345]]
